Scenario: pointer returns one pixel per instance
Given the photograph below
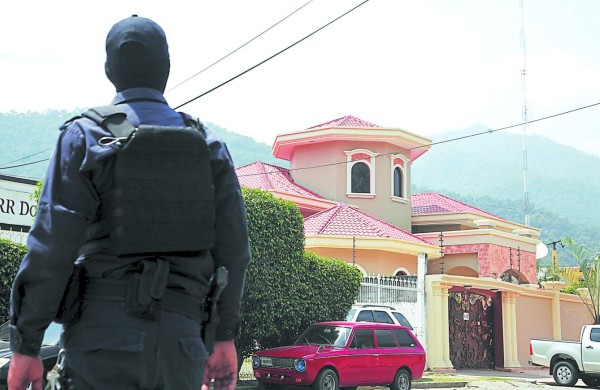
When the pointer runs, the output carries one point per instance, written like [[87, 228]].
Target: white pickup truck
[[570, 360]]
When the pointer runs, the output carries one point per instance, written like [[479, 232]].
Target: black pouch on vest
[[146, 289], [69, 310]]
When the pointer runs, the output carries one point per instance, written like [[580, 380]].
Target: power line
[[23, 158], [385, 154], [22, 165], [271, 57], [444, 141], [242, 46]]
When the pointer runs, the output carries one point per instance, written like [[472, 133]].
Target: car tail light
[[530, 349]]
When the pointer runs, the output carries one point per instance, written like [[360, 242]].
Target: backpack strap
[[112, 118]]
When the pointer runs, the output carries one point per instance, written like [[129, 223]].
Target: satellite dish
[[541, 250]]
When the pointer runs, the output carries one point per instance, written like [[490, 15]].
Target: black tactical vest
[[162, 199]]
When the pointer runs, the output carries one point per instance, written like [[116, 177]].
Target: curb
[[438, 385], [247, 384]]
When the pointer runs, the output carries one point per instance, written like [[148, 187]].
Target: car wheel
[[592, 381], [402, 381], [326, 380], [565, 373]]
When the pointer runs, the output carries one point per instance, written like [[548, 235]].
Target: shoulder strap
[[189, 121], [112, 118]]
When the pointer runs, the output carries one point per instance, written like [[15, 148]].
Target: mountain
[[27, 140], [485, 171]]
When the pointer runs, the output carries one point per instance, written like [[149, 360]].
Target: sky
[[424, 66]]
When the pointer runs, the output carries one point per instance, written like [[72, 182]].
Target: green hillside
[[33, 135], [484, 171]]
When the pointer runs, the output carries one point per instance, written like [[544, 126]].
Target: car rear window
[[402, 320], [595, 335], [404, 339], [385, 338]]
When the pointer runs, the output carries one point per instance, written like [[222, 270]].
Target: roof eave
[[284, 144], [373, 243]]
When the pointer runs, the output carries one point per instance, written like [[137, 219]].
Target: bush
[[287, 288], [11, 255]]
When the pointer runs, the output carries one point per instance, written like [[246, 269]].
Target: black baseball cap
[[137, 54]]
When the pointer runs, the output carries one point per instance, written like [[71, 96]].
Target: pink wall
[[495, 259], [534, 320], [573, 315]]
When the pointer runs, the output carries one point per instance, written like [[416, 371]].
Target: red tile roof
[[271, 177], [434, 203], [346, 121], [344, 220]]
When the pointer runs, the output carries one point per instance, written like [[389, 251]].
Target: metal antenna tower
[[524, 114]]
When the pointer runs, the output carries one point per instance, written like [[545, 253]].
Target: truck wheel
[[592, 381], [565, 373], [326, 380], [402, 381]]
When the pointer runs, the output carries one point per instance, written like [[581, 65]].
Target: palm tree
[[589, 265]]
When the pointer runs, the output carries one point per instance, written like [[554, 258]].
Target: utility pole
[[524, 114], [554, 253]]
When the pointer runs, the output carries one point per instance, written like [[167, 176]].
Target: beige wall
[[372, 262], [456, 262], [576, 315], [331, 181], [538, 313], [534, 320]]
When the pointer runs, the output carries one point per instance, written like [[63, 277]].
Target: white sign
[[466, 316], [16, 206]]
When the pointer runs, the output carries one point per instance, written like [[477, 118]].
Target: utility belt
[[146, 291]]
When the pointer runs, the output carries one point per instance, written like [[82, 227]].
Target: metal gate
[[471, 318], [401, 292]]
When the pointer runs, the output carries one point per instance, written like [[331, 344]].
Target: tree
[[589, 265], [287, 288]]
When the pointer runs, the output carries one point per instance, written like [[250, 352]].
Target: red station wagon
[[334, 355]]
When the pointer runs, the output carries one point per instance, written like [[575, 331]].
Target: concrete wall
[[373, 262], [526, 312], [334, 187]]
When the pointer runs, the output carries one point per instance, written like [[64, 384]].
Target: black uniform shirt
[[69, 201]]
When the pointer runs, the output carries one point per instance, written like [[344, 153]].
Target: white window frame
[[370, 164], [403, 169]]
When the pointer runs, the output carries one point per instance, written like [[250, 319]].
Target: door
[[590, 347], [361, 360], [471, 318]]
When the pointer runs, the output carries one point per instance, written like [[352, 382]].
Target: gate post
[[421, 270]]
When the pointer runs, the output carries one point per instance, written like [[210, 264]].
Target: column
[[434, 346], [446, 326], [509, 329], [556, 327], [421, 271]]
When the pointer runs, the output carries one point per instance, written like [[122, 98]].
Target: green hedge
[[287, 288], [11, 255]]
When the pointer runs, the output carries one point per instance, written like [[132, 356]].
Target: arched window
[[398, 179], [360, 178], [360, 174]]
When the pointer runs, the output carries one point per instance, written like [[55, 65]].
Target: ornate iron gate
[[471, 318]]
